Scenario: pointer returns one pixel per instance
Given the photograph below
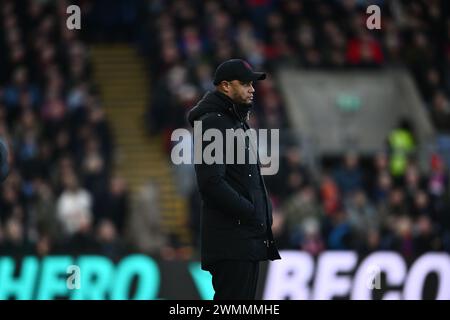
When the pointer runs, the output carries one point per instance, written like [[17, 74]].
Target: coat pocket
[[260, 212]]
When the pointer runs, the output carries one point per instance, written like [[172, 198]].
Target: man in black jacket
[[236, 215]]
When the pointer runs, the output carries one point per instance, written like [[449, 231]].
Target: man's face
[[241, 92]]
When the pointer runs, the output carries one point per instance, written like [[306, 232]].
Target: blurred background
[[364, 119]]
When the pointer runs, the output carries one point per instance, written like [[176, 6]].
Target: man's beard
[[243, 109], [241, 102]]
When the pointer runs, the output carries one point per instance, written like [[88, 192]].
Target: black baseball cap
[[236, 69]]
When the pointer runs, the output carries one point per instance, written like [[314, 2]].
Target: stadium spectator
[[74, 206]]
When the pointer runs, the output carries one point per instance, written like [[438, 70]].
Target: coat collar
[[241, 112]]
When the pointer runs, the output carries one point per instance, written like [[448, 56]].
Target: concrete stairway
[[123, 81]]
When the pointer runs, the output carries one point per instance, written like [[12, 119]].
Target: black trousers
[[234, 279]]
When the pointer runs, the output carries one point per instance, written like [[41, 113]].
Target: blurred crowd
[[383, 202], [362, 206], [61, 196]]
